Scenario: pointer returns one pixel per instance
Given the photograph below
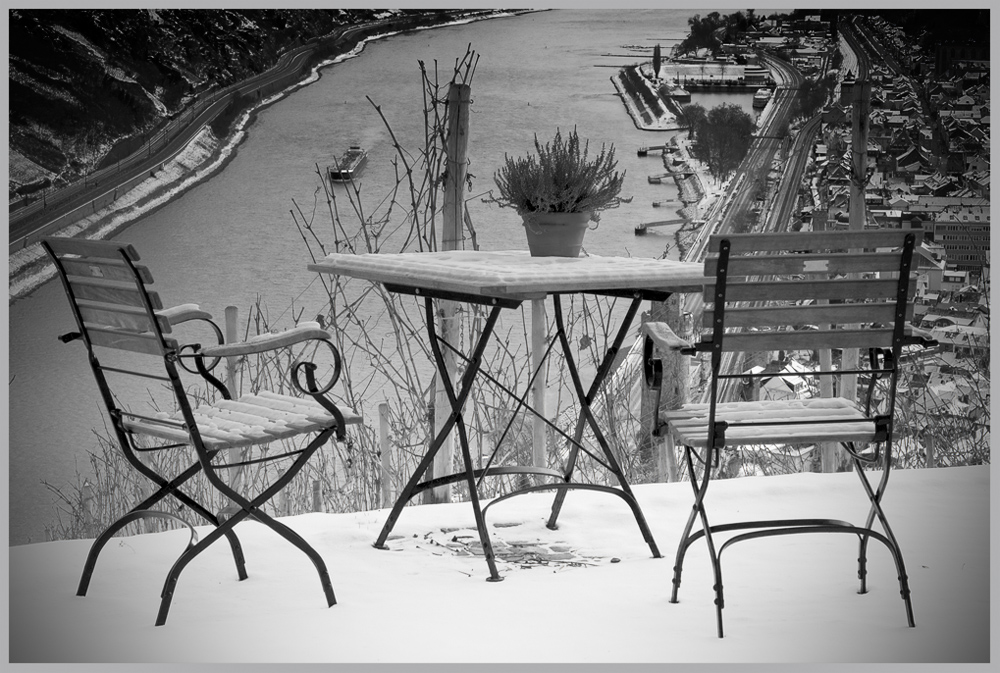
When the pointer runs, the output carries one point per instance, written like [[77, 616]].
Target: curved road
[[754, 169], [38, 219], [736, 202]]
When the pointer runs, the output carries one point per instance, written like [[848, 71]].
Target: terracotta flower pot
[[555, 234]]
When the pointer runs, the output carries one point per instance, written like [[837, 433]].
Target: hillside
[[83, 80]]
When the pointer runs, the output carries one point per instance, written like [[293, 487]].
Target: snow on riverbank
[[201, 158], [204, 156]]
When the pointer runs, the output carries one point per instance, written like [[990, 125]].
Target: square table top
[[515, 274]]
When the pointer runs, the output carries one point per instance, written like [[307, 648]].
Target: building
[[964, 233]]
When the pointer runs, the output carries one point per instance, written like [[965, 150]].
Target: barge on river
[[761, 98], [349, 166]]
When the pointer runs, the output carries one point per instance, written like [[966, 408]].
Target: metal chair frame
[[134, 321], [884, 358]]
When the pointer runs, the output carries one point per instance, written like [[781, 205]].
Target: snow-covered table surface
[[515, 274]]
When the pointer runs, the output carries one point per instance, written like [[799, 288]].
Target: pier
[[640, 229], [643, 151], [657, 179]]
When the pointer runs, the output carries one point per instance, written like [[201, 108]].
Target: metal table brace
[[458, 399]]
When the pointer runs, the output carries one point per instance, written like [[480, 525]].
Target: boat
[[349, 166], [679, 94], [761, 98]]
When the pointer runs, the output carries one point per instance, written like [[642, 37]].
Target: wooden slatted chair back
[[809, 290], [109, 296]]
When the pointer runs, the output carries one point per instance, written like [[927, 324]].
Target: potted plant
[[559, 191]]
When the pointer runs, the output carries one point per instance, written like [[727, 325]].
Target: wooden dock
[[641, 229], [658, 179], [643, 151]]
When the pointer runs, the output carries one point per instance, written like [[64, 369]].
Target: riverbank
[[204, 156]]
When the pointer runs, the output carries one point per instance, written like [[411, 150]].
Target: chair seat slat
[[266, 412], [689, 424], [249, 420]]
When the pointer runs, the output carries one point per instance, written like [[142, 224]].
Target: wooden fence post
[[539, 429], [383, 442], [317, 499], [87, 505], [459, 98], [232, 363], [659, 452]]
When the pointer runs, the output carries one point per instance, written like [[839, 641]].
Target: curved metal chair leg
[[173, 488], [167, 594], [105, 537], [686, 533], [297, 540]]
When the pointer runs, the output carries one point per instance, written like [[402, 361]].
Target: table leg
[[455, 419], [586, 415]]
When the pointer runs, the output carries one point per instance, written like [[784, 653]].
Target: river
[[232, 237]]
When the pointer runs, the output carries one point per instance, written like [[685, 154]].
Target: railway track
[[782, 211]]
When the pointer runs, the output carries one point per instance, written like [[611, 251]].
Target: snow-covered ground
[[791, 599]]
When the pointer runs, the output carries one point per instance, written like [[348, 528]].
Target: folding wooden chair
[[117, 314], [796, 291]]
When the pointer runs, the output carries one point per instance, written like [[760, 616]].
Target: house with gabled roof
[[978, 180], [911, 162], [964, 102]]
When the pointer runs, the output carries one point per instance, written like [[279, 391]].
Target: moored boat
[[349, 166], [761, 98]]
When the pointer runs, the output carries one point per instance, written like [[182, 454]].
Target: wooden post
[[828, 451], [317, 504], [232, 336], [459, 97], [87, 505], [660, 451], [383, 443], [539, 430]]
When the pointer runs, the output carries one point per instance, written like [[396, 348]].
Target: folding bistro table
[[503, 280]]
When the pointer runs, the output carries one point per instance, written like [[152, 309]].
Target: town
[[927, 167]]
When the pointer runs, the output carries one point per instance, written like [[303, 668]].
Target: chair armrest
[[268, 342], [175, 315], [664, 337]]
